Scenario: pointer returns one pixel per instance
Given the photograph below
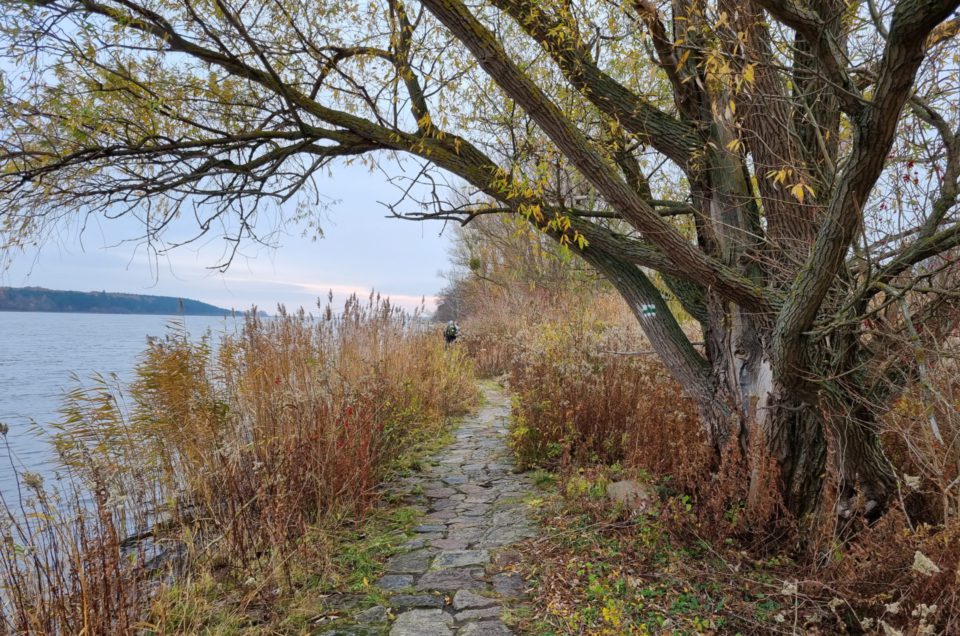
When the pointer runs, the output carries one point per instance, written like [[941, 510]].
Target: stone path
[[454, 577]]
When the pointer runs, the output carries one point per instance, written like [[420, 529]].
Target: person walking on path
[[451, 332]]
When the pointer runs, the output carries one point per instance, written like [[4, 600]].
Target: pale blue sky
[[361, 250]]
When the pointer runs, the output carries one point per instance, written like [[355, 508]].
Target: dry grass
[[579, 401], [228, 455]]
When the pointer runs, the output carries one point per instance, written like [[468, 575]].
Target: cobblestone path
[[455, 576]]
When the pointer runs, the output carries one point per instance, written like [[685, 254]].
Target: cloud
[[320, 291]]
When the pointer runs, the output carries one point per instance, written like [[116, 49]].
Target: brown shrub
[[883, 576], [589, 393], [922, 439]]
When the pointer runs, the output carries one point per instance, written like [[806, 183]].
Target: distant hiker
[[451, 332]]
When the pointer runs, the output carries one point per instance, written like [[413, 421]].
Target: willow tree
[[787, 169]]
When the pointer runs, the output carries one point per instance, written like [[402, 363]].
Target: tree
[[790, 169], [505, 261]]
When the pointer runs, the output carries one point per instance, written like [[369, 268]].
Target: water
[[38, 352]]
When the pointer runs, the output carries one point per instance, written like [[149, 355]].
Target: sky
[[360, 251]]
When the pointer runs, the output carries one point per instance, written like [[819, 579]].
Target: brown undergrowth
[[589, 392], [238, 461], [591, 406], [602, 569]]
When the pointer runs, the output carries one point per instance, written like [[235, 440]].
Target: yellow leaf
[[748, 75], [780, 175], [733, 145], [797, 191]]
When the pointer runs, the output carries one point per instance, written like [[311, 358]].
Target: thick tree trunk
[[778, 435], [789, 435]]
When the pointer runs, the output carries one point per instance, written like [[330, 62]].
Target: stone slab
[[415, 601], [392, 582], [485, 628], [478, 614], [460, 559], [464, 600], [422, 622], [452, 580]]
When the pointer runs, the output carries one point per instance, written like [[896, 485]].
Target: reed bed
[[223, 455]]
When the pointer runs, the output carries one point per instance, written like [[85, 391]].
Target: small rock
[[375, 614], [636, 496], [464, 599]]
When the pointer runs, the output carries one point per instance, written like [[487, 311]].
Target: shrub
[[589, 393]]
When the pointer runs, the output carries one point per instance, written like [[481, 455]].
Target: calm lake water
[[38, 353]]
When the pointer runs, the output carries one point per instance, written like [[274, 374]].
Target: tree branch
[[675, 139], [874, 130], [494, 60]]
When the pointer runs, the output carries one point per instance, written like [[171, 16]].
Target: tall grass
[[225, 454], [591, 393]]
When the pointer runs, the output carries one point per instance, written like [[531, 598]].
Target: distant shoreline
[[226, 314], [42, 300]]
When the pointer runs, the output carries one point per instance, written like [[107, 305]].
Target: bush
[[589, 393]]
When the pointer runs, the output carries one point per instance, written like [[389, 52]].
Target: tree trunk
[[778, 432]]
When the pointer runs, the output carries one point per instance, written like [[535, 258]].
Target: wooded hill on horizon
[[102, 302]]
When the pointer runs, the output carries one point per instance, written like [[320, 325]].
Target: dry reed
[[224, 455]]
